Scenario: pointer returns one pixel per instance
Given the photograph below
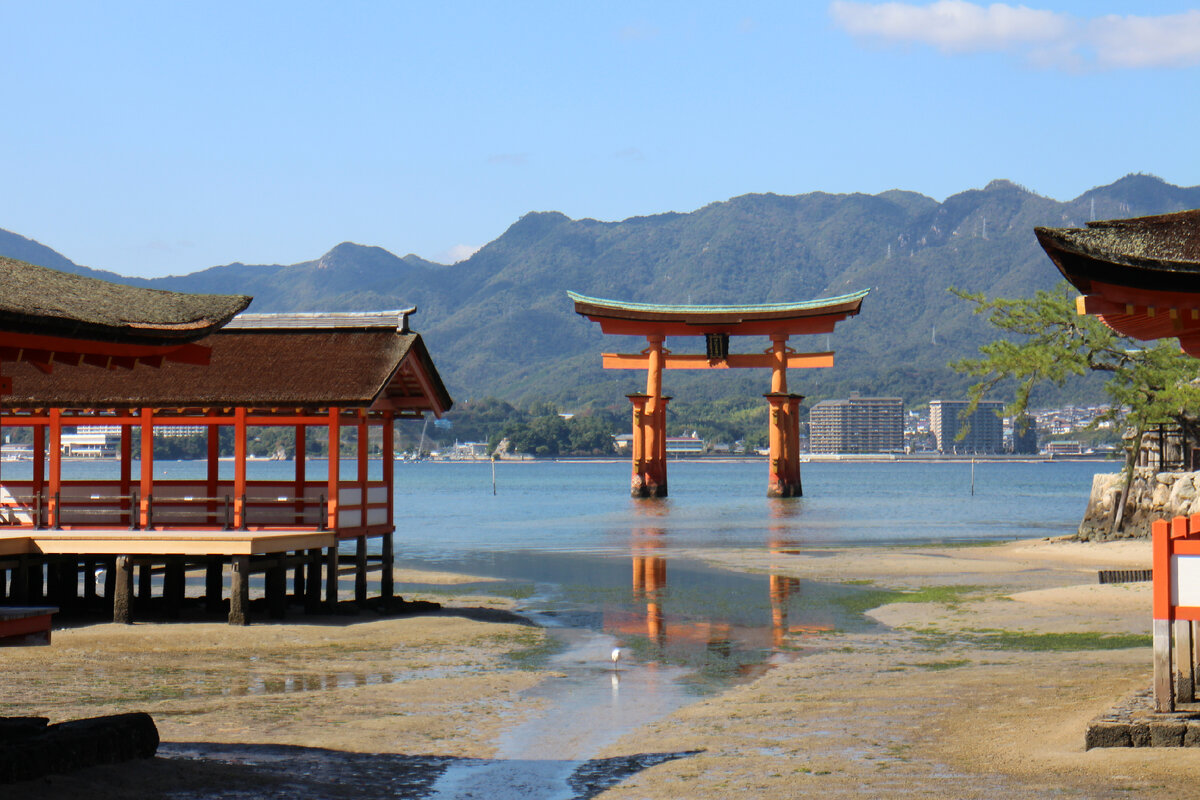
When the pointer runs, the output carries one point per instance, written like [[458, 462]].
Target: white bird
[[616, 656]]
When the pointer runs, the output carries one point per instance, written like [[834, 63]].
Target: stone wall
[[1152, 495]]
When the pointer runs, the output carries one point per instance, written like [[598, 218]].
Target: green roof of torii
[[819, 305]]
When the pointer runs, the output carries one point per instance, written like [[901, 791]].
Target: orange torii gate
[[778, 321]]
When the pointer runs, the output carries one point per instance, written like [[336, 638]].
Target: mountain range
[[500, 324]]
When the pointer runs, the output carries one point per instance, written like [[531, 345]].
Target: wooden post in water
[[213, 584], [360, 567], [387, 578], [239, 590], [312, 582], [276, 588], [331, 579], [123, 591]]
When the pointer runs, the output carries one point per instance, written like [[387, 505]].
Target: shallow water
[[603, 570], [612, 570]]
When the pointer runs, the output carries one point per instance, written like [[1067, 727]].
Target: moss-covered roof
[[44, 301]]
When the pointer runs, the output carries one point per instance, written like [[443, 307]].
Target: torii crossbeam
[[777, 321]]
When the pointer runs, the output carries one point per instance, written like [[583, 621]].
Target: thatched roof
[[364, 363], [1160, 253], [37, 300]]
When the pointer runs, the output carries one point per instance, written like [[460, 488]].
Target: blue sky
[[163, 138]]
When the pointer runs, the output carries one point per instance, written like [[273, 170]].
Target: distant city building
[[676, 445], [1025, 442], [684, 445], [985, 431], [1064, 448], [89, 445], [857, 425]]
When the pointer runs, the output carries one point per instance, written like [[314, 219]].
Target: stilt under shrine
[[777, 321]]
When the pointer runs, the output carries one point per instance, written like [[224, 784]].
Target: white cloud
[[951, 25], [461, 252], [1043, 38], [1132, 42]]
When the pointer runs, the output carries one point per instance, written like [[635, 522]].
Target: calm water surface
[[603, 570]]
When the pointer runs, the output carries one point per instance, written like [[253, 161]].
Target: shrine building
[[129, 539], [1141, 277]]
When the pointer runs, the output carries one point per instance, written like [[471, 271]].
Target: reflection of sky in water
[[598, 560]]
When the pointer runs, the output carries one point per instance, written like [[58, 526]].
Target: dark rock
[[1167, 734], [1139, 734], [77, 744], [1107, 734], [17, 728], [1191, 737]]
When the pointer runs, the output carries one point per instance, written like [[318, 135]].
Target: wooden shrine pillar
[[335, 465], [637, 447], [792, 444], [146, 482], [361, 435], [651, 480], [212, 435], [239, 469], [129, 513], [387, 582], [301, 477], [783, 471], [334, 485], [39, 472], [55, 483]]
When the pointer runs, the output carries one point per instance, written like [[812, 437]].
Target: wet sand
[[942, 700]]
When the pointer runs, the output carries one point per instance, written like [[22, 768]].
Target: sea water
[[602, 571]]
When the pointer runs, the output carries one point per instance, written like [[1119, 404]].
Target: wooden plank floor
[[187, 542]]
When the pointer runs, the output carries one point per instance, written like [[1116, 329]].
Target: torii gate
[[778, 321]]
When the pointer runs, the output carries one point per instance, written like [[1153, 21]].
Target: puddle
[[550, 755], [684, 630]]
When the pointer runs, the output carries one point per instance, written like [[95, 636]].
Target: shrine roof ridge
[[54, 303], [1160, 252], [805, 305], [395, 320]]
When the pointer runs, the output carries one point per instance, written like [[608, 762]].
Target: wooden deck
[[172, 541]]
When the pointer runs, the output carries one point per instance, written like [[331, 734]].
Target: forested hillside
[[499, 324]]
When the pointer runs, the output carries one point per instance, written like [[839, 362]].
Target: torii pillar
[[650, 428], [783, 476]]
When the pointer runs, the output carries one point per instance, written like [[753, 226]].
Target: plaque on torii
[[776, 321]]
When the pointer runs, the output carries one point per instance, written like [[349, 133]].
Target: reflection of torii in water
[[649, 583]]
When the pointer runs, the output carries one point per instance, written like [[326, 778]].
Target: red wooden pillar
[[637, 447], [213, 470], [335, 436], [55, 487], [127, 470], [389, 463], [777, 426], [39, 470], [146, 483], [301, 476], [239, 469], [654, 444], [362, 466], [783, 472], [793, 444]]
